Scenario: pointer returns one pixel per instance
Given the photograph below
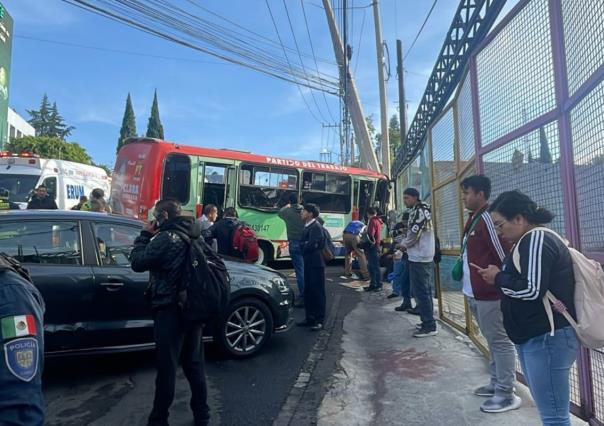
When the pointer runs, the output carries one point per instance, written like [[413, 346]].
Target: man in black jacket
[[312, 245], [162, 252], [41, 201], [223, 230]]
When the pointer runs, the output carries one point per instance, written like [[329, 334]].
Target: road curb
[[288, 410]]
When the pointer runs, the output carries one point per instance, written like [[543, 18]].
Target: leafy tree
[[128, 124], [154, 128], [50, 147], [394, 136], [48, 122], [104, 167]]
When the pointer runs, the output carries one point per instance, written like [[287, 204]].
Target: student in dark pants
[[312, 245], [160, 250], [374, 229]]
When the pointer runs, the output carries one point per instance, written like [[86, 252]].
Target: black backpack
[[329, 251], [207, 285]]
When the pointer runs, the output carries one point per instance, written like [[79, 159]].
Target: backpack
[[366, 241], [245, 242], [589, 296], [328, 251], [207, 285]]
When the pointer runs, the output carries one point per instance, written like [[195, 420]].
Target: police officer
[[5, 203], [21, 347]]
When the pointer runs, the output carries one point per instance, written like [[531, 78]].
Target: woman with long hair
[[546, 355]]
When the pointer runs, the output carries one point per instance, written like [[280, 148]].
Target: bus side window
[[51, 184], [329, 191], [177, 178]]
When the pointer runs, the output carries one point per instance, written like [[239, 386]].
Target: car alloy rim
[[245, 329]]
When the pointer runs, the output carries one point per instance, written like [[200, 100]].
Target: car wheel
[[247, 327]]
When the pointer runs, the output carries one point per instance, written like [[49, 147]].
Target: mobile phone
[[475, 266]]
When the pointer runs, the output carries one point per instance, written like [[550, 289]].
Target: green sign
[[6, 47]]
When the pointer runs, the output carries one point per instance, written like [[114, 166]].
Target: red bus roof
[[167, 147]]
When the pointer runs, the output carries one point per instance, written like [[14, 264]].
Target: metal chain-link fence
[[530, 115]]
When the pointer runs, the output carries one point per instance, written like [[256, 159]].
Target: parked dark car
[[94, 301]]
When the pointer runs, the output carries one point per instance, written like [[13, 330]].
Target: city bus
[[147, 170]]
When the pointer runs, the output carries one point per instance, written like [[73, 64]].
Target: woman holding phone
[[545, 264]]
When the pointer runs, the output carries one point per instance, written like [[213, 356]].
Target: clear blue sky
[[202, 100]]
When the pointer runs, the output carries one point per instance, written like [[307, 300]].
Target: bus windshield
[[266, 188], [19, 186]]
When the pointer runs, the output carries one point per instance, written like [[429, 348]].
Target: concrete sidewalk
[[387, 377]]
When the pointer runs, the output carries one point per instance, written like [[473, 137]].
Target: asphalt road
[[118, 389]]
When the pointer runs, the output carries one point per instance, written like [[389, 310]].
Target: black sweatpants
[[177, 339], [314, 294]]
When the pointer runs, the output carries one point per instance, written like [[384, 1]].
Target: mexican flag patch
[[18, 326]]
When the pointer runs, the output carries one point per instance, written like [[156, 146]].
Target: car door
[[52, 253], [121, 314]]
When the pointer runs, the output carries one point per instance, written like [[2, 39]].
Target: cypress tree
[[154, 128], [128, 124], [545, 155], [40, 119]]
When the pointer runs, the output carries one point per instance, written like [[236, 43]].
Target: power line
[[312, 49], [356, 65], [287, 59], [123, 52], [291, 27], [181, 27], [421, 29], [196, 4]]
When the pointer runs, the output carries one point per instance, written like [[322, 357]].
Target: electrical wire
[[421, 29], [179, 26], [195, 3], [312, 49], [360, 41], [291, 27], [287, 59], [123, 52]]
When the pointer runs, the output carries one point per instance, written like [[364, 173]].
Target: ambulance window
[[51, 185], [177, 178]]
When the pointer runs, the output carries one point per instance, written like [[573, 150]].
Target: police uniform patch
[[22, 358]]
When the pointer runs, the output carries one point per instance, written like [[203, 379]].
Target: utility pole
[[346, 70], [351, 99], [325, 154], [383, 107], [402, 103]]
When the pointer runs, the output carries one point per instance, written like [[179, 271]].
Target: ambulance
[[66, 181]]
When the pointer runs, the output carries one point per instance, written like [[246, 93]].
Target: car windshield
[[19, 186]]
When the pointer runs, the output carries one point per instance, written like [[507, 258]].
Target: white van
[[66, 181]]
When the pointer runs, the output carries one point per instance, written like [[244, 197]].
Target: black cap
[[412, 192]]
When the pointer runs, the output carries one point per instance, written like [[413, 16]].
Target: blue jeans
[[295, 252], [401, 285], [546, 362], [420, 275], [373, 264]]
